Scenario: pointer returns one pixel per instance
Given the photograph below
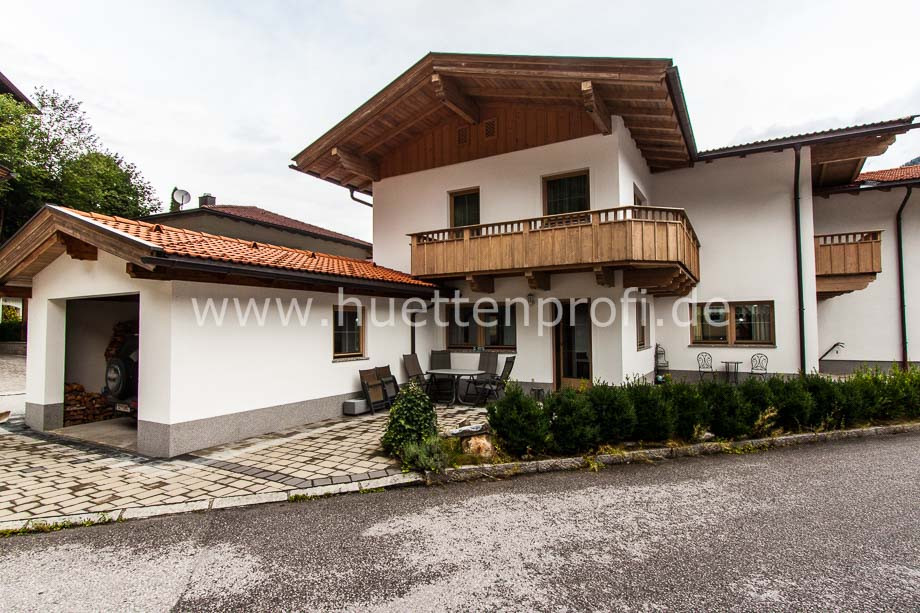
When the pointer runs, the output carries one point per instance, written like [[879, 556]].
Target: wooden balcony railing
[[624, 236], [850, 253]]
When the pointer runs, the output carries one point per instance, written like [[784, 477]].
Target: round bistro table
[[456, 374]]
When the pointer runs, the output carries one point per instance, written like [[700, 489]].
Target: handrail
[[561, 220], [845, 238]]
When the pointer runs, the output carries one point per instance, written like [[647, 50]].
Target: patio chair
[[496, 386], [374, 390], [390, 386], [704, 365], [475, 387], [440, 388], [759, 365], [414, 371]]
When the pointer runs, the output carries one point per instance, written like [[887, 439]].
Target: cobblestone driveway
[[41, 476]]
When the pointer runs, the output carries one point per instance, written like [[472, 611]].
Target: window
[[735, 323], [464, 208], [639, 198], [642, 325], [348, 332], [497, 332], [566, 193]]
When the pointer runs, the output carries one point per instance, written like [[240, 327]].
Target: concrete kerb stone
[[165, 509]]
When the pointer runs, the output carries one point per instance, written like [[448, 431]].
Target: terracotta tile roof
[[903, 173], [254, 213], [195, 244]]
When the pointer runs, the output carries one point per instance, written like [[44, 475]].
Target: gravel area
[[825, 526]]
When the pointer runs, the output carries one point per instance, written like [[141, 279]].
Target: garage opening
[[101, 349]]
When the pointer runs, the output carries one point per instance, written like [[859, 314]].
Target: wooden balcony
[[846, 262], [656, 248]]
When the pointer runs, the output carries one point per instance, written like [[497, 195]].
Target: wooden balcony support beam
[[78, 249], [605, 275], [450, 96], [595, 107], [650, 278], [538, 280], [481, 284]]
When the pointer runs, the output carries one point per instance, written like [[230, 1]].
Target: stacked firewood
[[82, 407], [121, 330]]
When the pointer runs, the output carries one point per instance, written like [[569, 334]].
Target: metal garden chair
[[704, 365], [759, 365]]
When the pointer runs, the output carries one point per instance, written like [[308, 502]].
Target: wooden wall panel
[[519, 126]]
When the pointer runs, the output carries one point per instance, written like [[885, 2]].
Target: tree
[[914, 162], [56, 157]]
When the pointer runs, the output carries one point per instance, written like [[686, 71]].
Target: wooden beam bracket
[[77, 249], [538, 280], [481, 284], [356, 164], [450, 96], [595, 107]]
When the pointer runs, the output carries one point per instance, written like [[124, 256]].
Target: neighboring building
[[257, 224], [7, 87], [515, 178]]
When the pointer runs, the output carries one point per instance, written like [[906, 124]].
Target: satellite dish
[[181, 197]]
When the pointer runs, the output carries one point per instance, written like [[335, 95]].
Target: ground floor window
[[642, 325], [495, 330], [348, 332], [731, 323]]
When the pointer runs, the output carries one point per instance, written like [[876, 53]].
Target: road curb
[[511, 469]]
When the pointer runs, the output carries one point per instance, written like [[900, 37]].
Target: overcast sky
[[218, 96]]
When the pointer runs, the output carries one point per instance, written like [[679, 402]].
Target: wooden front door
[[572, 336]]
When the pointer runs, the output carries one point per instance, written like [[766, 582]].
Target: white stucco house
[[569, 192]]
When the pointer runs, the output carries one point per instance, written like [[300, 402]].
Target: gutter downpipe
[[798, 255], [901, 292], [351, 192]]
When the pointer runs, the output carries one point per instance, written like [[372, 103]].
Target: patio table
[[731, 371], [456, 374]]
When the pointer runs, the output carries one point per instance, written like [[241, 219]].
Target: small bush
[[412, 420], [692, 414], [573, 424], [827, 411], [519, 422], [431, 454], [614, 412], [654, 411], [794, 406], [732, 416]]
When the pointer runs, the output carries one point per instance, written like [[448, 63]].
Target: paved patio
[[42, 476]]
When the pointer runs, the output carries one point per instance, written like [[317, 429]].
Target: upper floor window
[[642, 325], [464, 208], [639, 198], [566, 193]]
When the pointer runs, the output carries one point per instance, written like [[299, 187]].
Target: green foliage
[[692, 414], [828, 409], [11, 313], [57, 158], [412, 420], [519, 422], [573, 423], [431, 453], [794, 406], [655, 419], [732, 416], [614, 412]]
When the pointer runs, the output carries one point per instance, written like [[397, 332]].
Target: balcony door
[[572, 346]]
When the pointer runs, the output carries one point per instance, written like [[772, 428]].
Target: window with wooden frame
[[733, 323], [639, 198], [643, 314], [566, 193], [347, 332], [464, 208], [497, 332]]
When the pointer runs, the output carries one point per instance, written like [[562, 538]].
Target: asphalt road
[[831, 526]]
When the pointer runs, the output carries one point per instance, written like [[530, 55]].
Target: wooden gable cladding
[[517, 126], [414, 122]]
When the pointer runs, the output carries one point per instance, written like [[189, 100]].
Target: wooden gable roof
[[450, 108]]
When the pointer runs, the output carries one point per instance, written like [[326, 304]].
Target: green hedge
[[10, 331], [579, 421]]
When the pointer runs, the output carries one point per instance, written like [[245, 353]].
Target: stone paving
[[42, 476]]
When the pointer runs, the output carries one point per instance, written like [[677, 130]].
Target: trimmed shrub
[[794, 406], [731, 415], [573, 424], [692, 414], [614, 412], [828, 410], [519, 422], [431, 453], [654, 412], [412, 420]]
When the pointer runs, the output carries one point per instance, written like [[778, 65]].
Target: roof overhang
[[837, 156], [7, 87], [441, 87], [866, 186]]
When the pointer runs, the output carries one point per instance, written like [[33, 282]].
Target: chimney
[[207, 200]]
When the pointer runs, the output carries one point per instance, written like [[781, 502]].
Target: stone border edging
[[463, 473], [510, 469]]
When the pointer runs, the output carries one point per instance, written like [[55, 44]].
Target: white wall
[[634, 170], [868, 321], [89, 330], [510, 188], [742, 211]]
